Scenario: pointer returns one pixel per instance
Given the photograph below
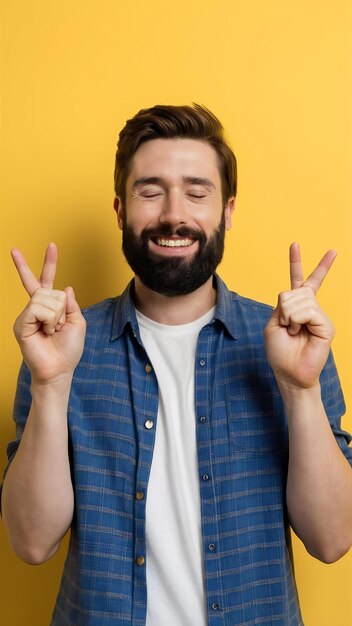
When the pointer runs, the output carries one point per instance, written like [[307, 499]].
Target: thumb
[[273, 323], [73, 310], [275, 317]]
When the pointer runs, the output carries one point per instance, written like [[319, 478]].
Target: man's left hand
[[299, 334]]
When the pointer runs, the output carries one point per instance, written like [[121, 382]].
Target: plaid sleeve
[[335, 407], [22, 406]]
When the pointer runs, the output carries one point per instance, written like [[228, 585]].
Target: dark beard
[[173, 276]]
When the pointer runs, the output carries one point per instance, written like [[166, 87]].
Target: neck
[[176, 310]]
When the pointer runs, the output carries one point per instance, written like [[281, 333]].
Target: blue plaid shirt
[[242, 448]]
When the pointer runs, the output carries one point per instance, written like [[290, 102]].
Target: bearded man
[[180, 429]]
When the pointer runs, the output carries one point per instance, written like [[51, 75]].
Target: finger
[[296, 270], [29, 281], [316, 278], [289, 302], [49, 307], [52, 300], [40, 312], [49, 321], [61, 321], [47, 275], [294, 328], [314, 320]]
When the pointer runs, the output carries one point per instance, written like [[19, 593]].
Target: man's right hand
[[51, 329]]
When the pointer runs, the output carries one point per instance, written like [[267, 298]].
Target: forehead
[[171, 158]]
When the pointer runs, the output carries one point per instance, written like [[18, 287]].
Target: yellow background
[[277, 73]]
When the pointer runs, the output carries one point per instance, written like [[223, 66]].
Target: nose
[[173, 209]]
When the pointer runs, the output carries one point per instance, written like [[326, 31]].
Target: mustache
[[166, 230]]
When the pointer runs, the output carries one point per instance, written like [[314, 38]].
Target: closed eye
[[151, 194], [197, 195]]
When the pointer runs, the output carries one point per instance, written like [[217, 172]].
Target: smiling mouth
[[173, 243]]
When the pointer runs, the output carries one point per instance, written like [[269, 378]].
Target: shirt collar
[[125, 313], [224, 311]]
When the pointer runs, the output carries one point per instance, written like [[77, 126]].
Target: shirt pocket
[[256, 421]]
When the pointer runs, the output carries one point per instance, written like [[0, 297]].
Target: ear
[[229, 209], [119, 211]]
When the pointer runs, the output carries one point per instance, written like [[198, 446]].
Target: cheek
[[140, 215], [134, 220], [210, 223], [208, 217]]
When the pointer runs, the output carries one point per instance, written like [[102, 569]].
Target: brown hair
[[167, 122]]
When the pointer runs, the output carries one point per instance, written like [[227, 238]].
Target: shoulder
[[231, 301], [100, 320], [240, 314], [251, 312], [101, 310], [248, 304]]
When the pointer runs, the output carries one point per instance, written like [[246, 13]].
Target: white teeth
[[173, 243]]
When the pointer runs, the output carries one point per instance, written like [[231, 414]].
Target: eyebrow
[[196, 180], [146, 180], [157, 180]]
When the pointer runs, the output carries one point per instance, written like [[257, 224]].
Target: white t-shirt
[[174, 561]]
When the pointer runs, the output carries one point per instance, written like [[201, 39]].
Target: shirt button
[[215, 606], [202, 419], [149, 424], [139, 495], [148, 368], [205, 477], [202, 362], [211, 547], [140, 560]]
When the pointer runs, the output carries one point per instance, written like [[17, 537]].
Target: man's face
[[174, 221]]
